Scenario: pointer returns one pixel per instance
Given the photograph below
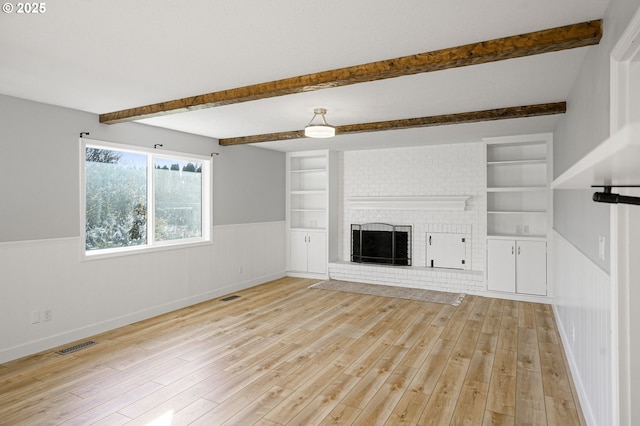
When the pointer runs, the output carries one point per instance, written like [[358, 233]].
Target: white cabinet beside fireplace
[[519, 207], [311, 212], [517, 266], [308, 251]]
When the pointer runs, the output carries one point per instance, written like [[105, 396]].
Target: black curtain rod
[[608, 197]]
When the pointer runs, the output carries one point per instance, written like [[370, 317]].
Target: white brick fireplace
[[432, 188]]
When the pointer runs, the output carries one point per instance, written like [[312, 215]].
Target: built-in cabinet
[[517, 266], [311, 212], [308, 251], [518, 213]]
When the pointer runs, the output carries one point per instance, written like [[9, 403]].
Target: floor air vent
[[77, 347], [226, 299]]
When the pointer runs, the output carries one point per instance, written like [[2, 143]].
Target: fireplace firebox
[[381, 243]]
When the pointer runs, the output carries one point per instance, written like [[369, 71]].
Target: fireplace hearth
[[381, 243]]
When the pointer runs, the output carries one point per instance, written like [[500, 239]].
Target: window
[[135, 199]]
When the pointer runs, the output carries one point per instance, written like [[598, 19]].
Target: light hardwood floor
[[283, 354]]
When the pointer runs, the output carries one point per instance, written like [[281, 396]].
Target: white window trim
[[152, 245]]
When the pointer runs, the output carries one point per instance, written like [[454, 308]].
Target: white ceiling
[[102, 56]]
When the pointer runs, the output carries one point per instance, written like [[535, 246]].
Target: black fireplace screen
[[381, 243]]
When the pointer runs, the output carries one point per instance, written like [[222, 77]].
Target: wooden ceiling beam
[[545, 41], [407, 123]]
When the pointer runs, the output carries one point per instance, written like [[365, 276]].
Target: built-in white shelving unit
[[518, 213], [311, 211], [517, 187]]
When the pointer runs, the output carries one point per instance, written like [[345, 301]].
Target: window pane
[[116, 199], [178, 199]]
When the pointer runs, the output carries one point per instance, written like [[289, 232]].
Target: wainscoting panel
[[86, 298], [582, 305]]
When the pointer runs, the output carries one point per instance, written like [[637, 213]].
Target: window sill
[[131, 251]]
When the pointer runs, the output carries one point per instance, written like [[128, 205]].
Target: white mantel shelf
[[451, 202], [616, 161]]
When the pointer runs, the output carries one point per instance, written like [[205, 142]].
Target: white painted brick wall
[[455, 169], [407, 276]]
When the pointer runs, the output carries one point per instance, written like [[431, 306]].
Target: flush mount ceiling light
[[319, 130]]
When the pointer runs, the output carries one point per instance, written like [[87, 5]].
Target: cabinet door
[[531, 267], [298, 251], [501, 265], [445, 250], [316, 253]]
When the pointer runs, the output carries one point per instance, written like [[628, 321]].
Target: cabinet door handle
[[512, 250], [309, 239], [518, 249]]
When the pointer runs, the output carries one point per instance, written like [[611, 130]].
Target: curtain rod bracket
[[215, 153], [82, 134], [155, 146], [608, 197]]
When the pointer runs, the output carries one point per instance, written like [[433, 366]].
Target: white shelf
[[521, 237], [616, 161], [308, 192], [526, 140], [308, 163], [517, 212], [309, 171], [517, 162], [517, 189]]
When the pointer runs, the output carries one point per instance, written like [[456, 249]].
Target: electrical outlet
[[48, 313], [35, 317], [241, 269], [525, 229], [601, 245]]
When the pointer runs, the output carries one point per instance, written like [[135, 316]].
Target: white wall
[[40, 264], [581, 300], [39, 169], [248, 185]]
